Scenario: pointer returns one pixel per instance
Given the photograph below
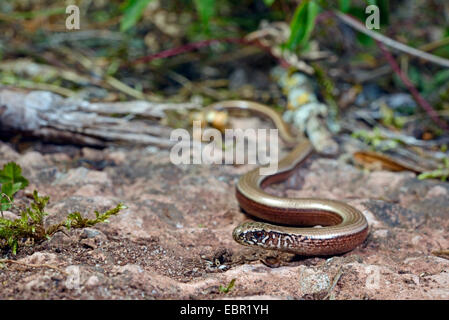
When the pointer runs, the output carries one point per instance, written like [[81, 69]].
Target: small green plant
[[206, 9], [228, 288], [302, 24], [375, 139], [441, 173], [133, 11], [30, 225], [12, 181], [388, 117]]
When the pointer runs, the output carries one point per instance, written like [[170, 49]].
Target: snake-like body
[[304, 226]]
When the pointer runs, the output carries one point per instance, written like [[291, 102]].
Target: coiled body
[[341, 226]]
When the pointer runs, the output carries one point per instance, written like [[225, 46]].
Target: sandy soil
[[174, 240]]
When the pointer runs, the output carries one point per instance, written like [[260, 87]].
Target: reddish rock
[[174, 240]]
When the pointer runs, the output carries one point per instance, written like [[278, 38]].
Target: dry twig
[[390, 42], [31, 265]]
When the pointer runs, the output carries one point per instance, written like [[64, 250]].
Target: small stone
[[9, 215], [382, 233], [40, 258], [93, 281], [92, 154], [32, 159], [82, 176], [435, 192], [90, 233], [89, 243]]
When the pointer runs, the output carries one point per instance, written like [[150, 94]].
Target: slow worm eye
[[258, 235]]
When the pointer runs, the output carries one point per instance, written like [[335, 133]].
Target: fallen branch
[[390, 42], [48, 116]]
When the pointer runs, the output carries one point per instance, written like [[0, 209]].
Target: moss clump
[[30, 225]]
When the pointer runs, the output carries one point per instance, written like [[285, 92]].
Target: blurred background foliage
[[198, 51], [203, 19], [116, 32]]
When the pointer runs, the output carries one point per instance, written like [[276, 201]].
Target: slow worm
[[304, 226]]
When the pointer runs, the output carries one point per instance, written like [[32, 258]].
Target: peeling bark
[[50, 117]]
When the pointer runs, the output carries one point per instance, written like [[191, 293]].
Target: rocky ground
[[174, 240]]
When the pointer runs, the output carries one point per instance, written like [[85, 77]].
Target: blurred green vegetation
[[119, 31], [198, 19], [208, 18]]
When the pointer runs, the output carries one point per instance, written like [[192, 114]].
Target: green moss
[[228, 288], [30, 225]]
